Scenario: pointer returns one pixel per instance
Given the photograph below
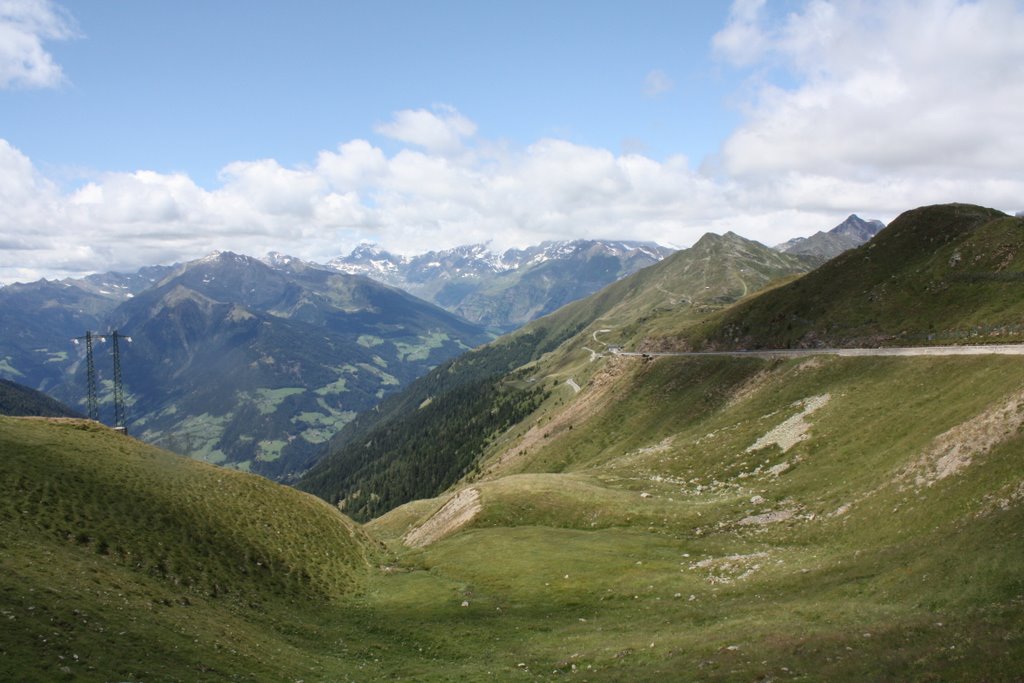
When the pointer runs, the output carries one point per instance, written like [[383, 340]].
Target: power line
[[90, 371]]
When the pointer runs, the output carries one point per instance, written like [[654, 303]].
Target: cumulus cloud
[[742, 40], [895, 104], [24, 26], [863, 107], [934, 87], [409, 201], [441, 130]]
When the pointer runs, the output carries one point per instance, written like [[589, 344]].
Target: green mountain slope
[[236, 362], [16, 399], [744, 519], [652, 519], [122, 562], [940, 274], [424, 439]]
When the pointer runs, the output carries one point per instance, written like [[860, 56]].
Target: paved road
[[984, 349]]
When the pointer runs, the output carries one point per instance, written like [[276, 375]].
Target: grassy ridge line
[[208, 530], [939, 274], [715, 271], [16, 399]]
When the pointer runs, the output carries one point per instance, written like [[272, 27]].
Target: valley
[[461, 341], [708, 518], [254, 364], [644, 485]]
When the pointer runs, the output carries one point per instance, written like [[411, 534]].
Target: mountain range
[[256, 363], [405, 450], [611, 515], [231, 360], [253, 363], [937, 275], [505, 291]]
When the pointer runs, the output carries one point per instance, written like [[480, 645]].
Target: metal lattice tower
[[118, 386], [90, 371]]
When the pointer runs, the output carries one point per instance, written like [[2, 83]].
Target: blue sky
[[164, 87], [143, 132]]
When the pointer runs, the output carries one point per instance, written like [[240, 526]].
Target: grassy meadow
[[686, 519]]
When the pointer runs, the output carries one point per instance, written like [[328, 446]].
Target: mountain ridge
[[849, 234], [649, 519], [374, 454], [936, 274], [239, 363], [506, 290]]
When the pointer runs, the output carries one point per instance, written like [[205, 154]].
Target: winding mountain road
[[975, 350]]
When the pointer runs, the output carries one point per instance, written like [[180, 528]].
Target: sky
[[141, 132]]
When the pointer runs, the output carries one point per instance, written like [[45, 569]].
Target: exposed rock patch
[[794, 430], [767, 518], [953, 451], [459, 511], [1007, 499], [588, 402], [730, 568]]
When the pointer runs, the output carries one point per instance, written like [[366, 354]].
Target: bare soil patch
[[953, 451], [459, 511], [793, 430]]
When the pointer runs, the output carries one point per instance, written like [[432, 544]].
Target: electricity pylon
[[90, 372], [118, 387]]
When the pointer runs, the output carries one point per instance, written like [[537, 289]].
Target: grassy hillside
[[710, 519], [943, 274], [420, 442], [743, 519], [120, 560], [650, 519], [16, 399], [722, 519]]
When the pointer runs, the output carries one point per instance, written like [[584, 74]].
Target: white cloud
[[24, 25], [657, 82], [742, 40], [356, 164], [410, 201], [898, 87], [443, 131], [879, 108], [268, 189], [888, 105]]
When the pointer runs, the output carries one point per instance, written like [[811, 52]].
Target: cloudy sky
[[134, 133]]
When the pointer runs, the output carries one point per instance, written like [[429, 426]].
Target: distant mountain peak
[[369, 250], [851, 233], [508, 289], [711, 239], [276, 258], [211, 257]]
